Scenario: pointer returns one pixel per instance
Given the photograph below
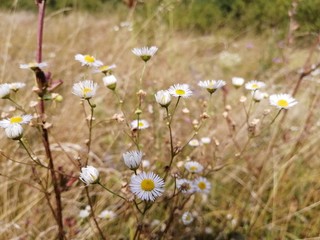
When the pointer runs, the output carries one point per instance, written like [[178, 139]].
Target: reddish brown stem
[[45, 136]]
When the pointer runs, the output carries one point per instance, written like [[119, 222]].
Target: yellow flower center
[[188, 217], [283, 103], [147, 184], [17, 119], [193, 168], [202, 185], [254, 85], [180, 92], [89, 59], [86, 90], [32, 64], [140, 124]]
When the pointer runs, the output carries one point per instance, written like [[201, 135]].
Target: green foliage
[[202, 15]]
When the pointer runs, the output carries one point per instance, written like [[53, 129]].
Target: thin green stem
[[92, 106], [19, 107], [142, 74], [112, 192]]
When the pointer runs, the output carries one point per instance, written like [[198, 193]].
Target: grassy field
[[264, 175]]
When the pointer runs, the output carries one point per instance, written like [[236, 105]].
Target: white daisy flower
[[145, 163], [194, 143], [143, 124], [85, 89], [4, 90], [258, 95], [16, 86], [145, 53], [212, 85], [87, 60], [205, 140], [84, 213], [132, 159], [163, 97], [107, 214], [147, 186], [193, 167], [187, 218], [110, 82], [185, 186], [180, 90], [33, 65], [89, 175], [282, 101], [254, 85], [12, 126], [106, 69], [202, 185], [237, 82]]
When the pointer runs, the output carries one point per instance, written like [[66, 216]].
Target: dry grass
[[270, 191]]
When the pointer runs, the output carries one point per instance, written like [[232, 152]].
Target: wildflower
[[193, 167], [33, 65], [187, 218], [132, 159], [85, 89], [282, 101], [254, 85], [237, 82], [89, 175], [202, 185], [107, 214], [205, 140], [212, 85], [147, 186], [163, 97], [84, 213], [4, 90], [194, 143], [105, 69], [87, 60], [180, 90], [110, 82], [141, 125], [185, 186], [16, 86], [145, 163], [12, 126], [145, 53], [258, 95]]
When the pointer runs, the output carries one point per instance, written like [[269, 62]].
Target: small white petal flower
[[33, 65], [87, 60], [110, 82], [85, 89], [107, 214], [147, 186], [180, 90], [194, 143], [84, 213], [193, 167], [237, 81], [254, 85], [258, 95], [132, 159], [163, 97], [24, 119], [143, 124], [14, 131], [205, 140], [202, 185], [187, 218], [16, 86], [282, 101], [185, 186], [145, 53], [212, 85], [4, 90], [89, 175], [106, 69]]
